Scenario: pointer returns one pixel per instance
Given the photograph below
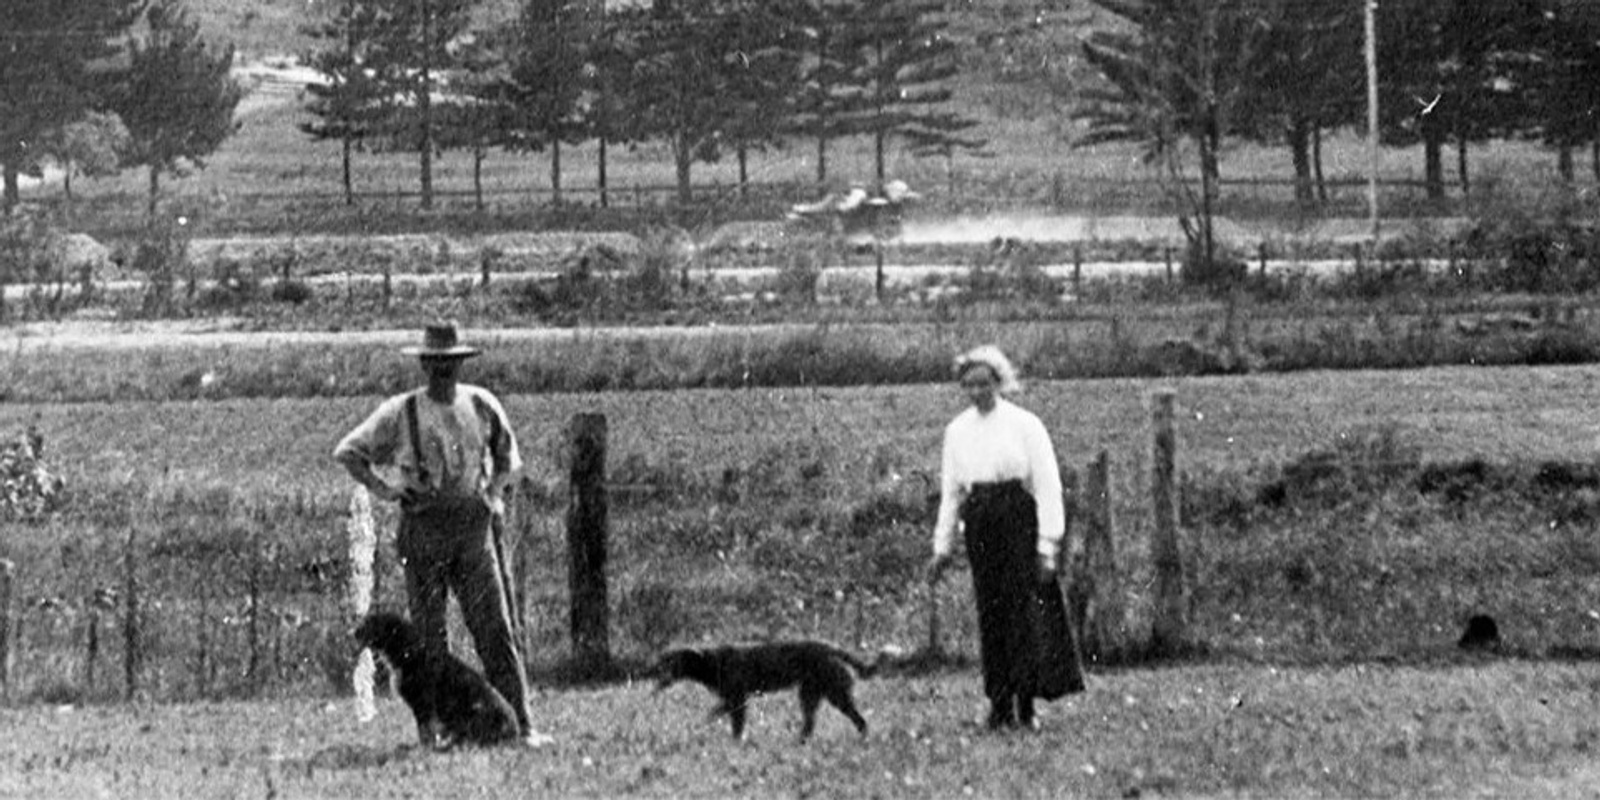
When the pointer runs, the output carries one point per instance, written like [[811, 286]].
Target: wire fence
[[581, 206]]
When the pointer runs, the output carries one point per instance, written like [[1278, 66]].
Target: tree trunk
[[682, 156], [1210, 147], [605, 197], [478, 154], [1461, 166], [1433, 165], [555, 171], [822, 159], [425, 108], [1316, 161], [425, 143], [744, 172], [1566, 167], [878, 146], [155, 190], [349, 183], [1300, 148], [13, 188]]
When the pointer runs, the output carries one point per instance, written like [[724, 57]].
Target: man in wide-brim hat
[[451, 455]]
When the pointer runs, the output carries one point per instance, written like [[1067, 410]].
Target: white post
[[363, 551]]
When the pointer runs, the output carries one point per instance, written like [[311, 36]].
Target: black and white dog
[[737, 672], [452, 703]]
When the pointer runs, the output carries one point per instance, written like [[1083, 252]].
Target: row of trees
[[707, 77], [1183, 75], [1450, 71], [102, 85]]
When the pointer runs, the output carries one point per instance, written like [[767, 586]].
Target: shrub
[[292, 291], [28, 490], [161, 255]]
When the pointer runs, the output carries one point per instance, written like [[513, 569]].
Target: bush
[[161, 255], [1546, 245], [292, 291]]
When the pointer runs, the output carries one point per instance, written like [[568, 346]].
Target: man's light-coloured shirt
[[460, 454], [1008, 443]]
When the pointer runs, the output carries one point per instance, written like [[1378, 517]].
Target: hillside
[[1019, 72]]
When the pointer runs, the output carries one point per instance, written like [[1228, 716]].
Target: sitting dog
[[452, 703], [735, 672]]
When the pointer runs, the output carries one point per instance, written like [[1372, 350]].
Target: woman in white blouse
[[1001, 487]]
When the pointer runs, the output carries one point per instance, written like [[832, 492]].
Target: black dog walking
[[735, 673]]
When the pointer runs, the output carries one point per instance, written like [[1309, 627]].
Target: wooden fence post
[[523, 511], [586, 544], [1169, 632], [130, 620], [1096, 590], [7, 570]]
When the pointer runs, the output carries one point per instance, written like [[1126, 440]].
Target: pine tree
[[52, 58], [899, 65], [177, 98], [1444, 74], [1177, 76], [349, 102], [547, 52], [763, 45], [1559, 69], [1308, 77], [415, 47], [475, 116], [675, 81]]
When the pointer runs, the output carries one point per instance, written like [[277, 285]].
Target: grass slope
[[1492, 730]]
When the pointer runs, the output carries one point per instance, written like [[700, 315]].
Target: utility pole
[[1372, 118]]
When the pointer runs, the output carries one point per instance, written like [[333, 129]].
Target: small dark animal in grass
[[1481, 634], [737, 672], [452, 703]]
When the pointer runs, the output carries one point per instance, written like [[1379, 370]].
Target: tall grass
[[1325, 521], [1112, 340]]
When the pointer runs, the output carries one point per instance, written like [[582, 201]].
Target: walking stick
[[933, 618]]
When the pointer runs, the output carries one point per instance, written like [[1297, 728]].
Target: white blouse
[[1008, 443]]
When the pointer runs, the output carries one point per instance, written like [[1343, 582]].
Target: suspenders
[[479, 405]]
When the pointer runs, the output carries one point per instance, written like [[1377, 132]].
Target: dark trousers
[[1001, 531], [449, 548]]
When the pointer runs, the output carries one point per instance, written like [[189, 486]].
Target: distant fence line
[[122, 213]]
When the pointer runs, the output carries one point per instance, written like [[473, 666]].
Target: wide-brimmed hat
[[439, 340]]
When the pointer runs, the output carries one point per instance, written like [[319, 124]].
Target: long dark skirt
[[1026, 645]]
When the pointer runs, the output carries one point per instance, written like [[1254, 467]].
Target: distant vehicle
[[858, 218]]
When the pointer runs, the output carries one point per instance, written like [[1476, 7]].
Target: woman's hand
[[1046, 571], [936, 567]]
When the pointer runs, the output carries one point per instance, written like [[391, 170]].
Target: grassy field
[[1231, 424], [739, 511], [1328, 581], [1502, 729]]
